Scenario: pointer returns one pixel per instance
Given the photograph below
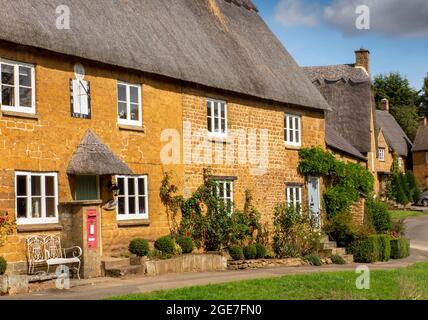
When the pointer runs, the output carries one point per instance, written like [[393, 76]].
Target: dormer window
[[217, 117]]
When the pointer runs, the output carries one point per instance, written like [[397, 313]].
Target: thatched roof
[[421, 140], [394, 135], [222, 44], [347, 89], [335, 141], [92, 157]]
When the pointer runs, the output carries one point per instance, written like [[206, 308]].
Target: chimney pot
[[362, 59], [384, 105]]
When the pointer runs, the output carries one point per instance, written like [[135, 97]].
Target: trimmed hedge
[[261, 251], [250, 252], [139, 247], [400, 248], [165, 244], [385, 247], [372, 248], [185, 243], [3, 265], [236, 253]]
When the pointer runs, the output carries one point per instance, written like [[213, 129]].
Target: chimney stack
[[362, 59], [424, 121], [384, 105]]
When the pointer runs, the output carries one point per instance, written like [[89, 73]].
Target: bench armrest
[[76, 252]]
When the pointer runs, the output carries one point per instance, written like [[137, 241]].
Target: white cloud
[[395, 18], [292, 13]]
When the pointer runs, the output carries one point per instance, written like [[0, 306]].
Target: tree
[[403, 100], [423, 109]]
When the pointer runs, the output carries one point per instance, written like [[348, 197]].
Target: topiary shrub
[[366, 249], [236, 253], [313, 259], [400, 248], [261, 251], [250, 252], [378, 213], [3, 265], [185, 243], [139, 247], [166, 245], [336, 259]]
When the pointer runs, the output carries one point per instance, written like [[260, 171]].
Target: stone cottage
[[356, 131], [420, 154], [99, 99]]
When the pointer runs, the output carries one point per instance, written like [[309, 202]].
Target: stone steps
[[329, 248], [119, 267]]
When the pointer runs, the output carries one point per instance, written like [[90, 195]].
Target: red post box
[[91, 228]]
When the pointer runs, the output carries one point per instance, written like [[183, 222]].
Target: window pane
[[216, 125], [209, 108], [228, 190], [121, 92], [131, 205], [142, 205], [36, 186], [223, 125], [297, 136], [7, 74], [131, 186], [121, 205], [8, 96], [216, 114], [285, 123], [141, 187], [50, 208], [49, 186], [121, 186], [21, 185], [36, 207], [25, 97], [134, 94], [135, 112], [223, 110], [209, 124], [221, 189], [290, 121], [122, 110], [21, 207], [25, 76], [296, 123]]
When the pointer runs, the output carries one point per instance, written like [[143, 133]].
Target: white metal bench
[[46, 250]]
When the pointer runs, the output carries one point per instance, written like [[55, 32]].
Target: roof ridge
[[247, 4]]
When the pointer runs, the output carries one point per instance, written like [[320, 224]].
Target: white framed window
[[381, 154], [17, 84], [129, 104], [132, 198], [225, 192], [294, 196], [216, 117], [292, 130], [80, 98], [36, 198]]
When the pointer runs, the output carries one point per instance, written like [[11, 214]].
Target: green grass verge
[[406, 283], [401, 214]]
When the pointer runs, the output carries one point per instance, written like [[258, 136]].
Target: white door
[[314, 200]]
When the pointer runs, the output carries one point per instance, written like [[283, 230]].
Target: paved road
[[417, 230]]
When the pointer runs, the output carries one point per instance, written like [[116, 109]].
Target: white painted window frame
[[381, 154], [137, 215], [217, 104], [80, 95], [43, 219], [17, 107], [290, 133], [128, 120], [225, 199], [292, 199]]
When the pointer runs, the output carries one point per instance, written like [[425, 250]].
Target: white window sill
[[19, 114], [217, 137], [36, 221], [39, 227], [293, 146], [132, 217], [129, 127]]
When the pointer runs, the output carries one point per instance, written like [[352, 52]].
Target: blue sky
[[312, 39]]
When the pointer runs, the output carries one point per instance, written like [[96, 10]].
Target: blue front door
[[314, 200]]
